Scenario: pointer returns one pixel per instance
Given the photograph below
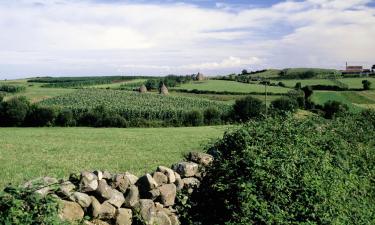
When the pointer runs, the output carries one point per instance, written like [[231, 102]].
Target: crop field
[[60, 151], [133, 105], [230, 86], [118, 85]]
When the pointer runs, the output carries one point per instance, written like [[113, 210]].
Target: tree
[[14, 111], [298, 86], [366, 85], [373, 68], [247, 108], [333, 108], [244, 72], [284, 104]]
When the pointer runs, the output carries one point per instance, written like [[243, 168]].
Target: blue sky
[[97, 37]]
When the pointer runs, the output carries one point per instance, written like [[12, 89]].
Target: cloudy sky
[[124, 37]]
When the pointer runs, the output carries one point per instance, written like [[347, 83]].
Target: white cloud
[[89, 38]]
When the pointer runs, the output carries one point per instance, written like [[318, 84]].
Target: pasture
[[230, 86], [27, 153]]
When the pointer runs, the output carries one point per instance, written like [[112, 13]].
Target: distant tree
[[373, 68], [281, 84], [298, 86], [334, 108], [247, 108], [284, 104], [244, 72], [366, 85]]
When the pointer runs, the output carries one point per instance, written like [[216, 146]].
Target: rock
[[104, 190], [117, 198], [160, 218], [102, 211], [153, 194], [174, 219], [43, 191], [124, 217], [107, 175], [98, 222], [160, 178], [71, 211], [121, 182], [191, 183], [99, 174], [146, 183], [132, 178], [132, 196], [201, 158], [186, 169], [146, 209], [167, 194], [67, 188], [168, 172], [179, 184], [82, 199], [88, 182]]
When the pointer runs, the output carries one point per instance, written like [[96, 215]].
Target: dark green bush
[[334, 108], [284, 105], [114, 120], [281, 84], [366, 85], [193, 118], [2, 96], [212, 116], [65, 118], [288, 171], [11, 88], [40, 116], [247, 108], [13, 111], [299, 96]]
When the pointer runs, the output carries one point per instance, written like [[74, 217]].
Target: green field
[[304, 82], [357, 82], [27, 153], [230, 86], [117, 85]]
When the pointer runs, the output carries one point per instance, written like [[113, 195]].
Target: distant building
[[199, 77], [355, 70]]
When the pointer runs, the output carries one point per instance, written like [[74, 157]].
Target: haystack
[[164, 90], [142, 89], [200, 77]]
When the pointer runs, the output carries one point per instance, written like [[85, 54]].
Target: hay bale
[[142, 89], [200, 77], [164, 90]]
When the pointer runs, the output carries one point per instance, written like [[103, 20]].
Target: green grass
[[357, 82], [322, 97], [304, 82], [270, 73], [117, 85], [230, 86], [27, 153]]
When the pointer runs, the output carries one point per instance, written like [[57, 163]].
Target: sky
[[155, 37]]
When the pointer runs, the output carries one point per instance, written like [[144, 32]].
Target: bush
[[281, 84], [299, 96], [193, 118], [366, 85], [283, 105], [298, 86], [288, 171], [40, 116], [334, 108], [14, 111], [114, 120], [212, 116], [247, 108], [11, 88], [2, 96], [65, 118]]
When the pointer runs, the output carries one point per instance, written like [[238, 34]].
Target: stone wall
[[123, 197]]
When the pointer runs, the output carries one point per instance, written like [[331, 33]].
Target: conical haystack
[[200, 77], [142, 89], [164, 90]]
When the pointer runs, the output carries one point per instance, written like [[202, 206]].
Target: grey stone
[[99, 174], [191, 183], [104, 190], [174, 219], [168, 172], [82, 199], [89, 182], [102, 211], [160, 178], [146, 209], [117, 198], [98, 222], [132, 178], [186, 169], [201, 158], [146, 183], [43, 191], [167, 194], [71, 211], [153, 194], [67, 188], [121, 182], [160, 218], [124, 216], [107, 175], [132, 196]]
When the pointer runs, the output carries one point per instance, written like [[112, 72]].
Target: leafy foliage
[[248, 108], [333, 108], [11, 88], [288, 171], [284, 105], [366, 85]]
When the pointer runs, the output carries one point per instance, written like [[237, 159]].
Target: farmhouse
[[355, 70]]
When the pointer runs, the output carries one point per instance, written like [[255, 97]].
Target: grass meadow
[[27, 153]]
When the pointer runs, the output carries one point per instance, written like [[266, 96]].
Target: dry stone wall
[[121, 198]]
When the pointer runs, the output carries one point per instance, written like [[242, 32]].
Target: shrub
[[288, 171], [14, 111], [193, 118], [281, 84], [113, 120], [366, 85], [284, 104], [2, 96], [11, 88], [212, 116], [40, 116], [299, 96], [247, 108], [65, 118], [298, 86], [334, 108]]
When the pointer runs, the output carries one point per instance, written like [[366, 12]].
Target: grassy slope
[[60, 151], [357, 82], [232, 86], [304, 82]]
